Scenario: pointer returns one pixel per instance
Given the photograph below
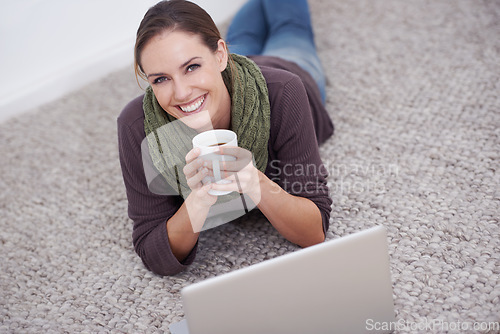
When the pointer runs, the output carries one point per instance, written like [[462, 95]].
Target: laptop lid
[[339, 286]]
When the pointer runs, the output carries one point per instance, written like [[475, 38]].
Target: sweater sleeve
[[148, 211], [295, 163]]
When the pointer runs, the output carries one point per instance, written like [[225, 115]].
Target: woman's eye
[[159, 80], [192, 67]]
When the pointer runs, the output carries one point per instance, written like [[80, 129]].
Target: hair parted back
[[174, 15]]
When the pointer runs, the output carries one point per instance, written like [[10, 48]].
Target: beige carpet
[[414, 91]]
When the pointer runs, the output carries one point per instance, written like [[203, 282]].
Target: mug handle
[[216, 169]]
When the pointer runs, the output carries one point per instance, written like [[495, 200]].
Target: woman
[[273, 100]]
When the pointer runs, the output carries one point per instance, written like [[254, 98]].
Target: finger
[[203, 193], [225, 187], [193, 167], [236, 165], [237, 178], [236, 185], [235, 151], [195, 182], [205, 188], [193, 154]]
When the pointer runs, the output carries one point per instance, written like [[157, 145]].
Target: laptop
[[339, 286]]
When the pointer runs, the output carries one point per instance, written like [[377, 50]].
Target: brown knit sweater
[[299, 122]]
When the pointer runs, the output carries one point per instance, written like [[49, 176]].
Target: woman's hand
[[196, 169], [244, 176]]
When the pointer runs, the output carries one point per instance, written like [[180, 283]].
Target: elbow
[[313, 240], [153, 248], [317, 233], [160, 268], [316, 236], [162, 271], [159, 263]]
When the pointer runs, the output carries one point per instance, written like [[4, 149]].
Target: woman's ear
[[222, 54]]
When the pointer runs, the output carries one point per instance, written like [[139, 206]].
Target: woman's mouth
[[193, 106]]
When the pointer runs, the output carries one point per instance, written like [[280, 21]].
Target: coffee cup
[[209, 143]]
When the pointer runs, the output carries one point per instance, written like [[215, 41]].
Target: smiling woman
[[269, 91], [186, 77]]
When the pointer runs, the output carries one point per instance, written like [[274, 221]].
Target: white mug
[[209, 142]]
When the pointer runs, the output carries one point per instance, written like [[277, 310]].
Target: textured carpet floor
[[414, 91]]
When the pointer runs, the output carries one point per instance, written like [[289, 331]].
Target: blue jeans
[[280, 28]]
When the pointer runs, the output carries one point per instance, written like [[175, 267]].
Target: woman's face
[[186, 79]]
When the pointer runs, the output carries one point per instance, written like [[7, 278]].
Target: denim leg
[[291, 37], [247, 32], [283, 15]]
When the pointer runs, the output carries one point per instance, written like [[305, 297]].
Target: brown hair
[[174, 15]]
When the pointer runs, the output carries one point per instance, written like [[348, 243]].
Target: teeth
[[193, 106]]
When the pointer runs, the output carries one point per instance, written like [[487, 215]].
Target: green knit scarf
[[169, 140]]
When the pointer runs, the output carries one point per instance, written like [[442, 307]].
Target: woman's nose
[[182, 90]]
